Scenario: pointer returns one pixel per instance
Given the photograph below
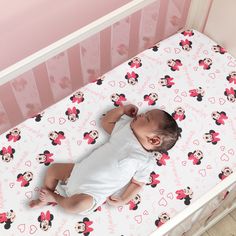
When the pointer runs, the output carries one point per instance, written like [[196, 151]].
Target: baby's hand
[[130, 110], [115, 201]]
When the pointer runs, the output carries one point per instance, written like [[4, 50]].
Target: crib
[[124, 56]]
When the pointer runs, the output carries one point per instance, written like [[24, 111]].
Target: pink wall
[[51, 81], [27, 26]]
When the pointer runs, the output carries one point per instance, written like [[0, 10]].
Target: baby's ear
[[155, 140]]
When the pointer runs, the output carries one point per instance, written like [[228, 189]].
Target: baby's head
[[156, 130]]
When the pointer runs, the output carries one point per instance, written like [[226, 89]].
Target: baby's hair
[[169, 132]]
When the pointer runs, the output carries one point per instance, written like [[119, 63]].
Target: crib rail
[[72, 39], [199, 204]]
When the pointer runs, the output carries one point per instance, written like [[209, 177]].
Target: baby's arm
[[109, 120], [133, 188], [131, 191]]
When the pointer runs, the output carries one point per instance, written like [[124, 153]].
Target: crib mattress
[[189, 76]]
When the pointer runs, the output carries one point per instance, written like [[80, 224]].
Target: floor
[[226, 227]]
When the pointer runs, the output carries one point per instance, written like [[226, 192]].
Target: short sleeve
[[143, 174], [121, 123]]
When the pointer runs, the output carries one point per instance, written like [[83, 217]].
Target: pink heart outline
[[33, 229], [138, 219], [196, 142], [152, 86], [122, 84], [222, 101], [51, 120], [222, 148], [170, 196], [212, 100], [202, 172], [161, 191], [224, 157], [177, 50], [93, 122], [66, 233], [184, 163], [162, 202], [231, 151], [168, 50], [28, 163], [178, 99], [146, 213], [21, 228], [62, 121], [29, 194], [111, 83]]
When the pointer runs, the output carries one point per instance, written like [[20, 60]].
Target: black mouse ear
[[179, 131], [7, 225]]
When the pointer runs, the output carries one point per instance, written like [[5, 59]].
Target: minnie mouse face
[[79, 94], [198, 154], [207, 137], [163, 217], [187, 47], [136, 60], [72, 117], [136, 199], [10, 215], [7, 157], [153, 96], [93, 134], [7, 218], [44, 225], [114, 97], [41, 158], [216, 48], [163, 82], [200, 91], [208, 61], [226, 171], [28, 176], [132, 81], [179, 111], [231, 97], [15, 132], [171, 62], [215, 115], [53, 135], [157, 155], [80, 227], [233, 74], [188, 191]]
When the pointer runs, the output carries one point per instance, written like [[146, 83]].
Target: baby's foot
[[46, 196], [36, 203]]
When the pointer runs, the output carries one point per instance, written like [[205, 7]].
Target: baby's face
[[146, 123]]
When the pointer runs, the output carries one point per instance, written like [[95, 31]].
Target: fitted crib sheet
[[189, 76]]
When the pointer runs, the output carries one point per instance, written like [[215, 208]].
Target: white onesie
[[111, 166]]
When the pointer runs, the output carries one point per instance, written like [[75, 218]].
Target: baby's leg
[[55, 172]]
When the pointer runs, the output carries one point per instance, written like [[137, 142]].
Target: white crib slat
[[72, 39], [226, 226], [233, 214]]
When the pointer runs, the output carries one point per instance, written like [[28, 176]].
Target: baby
[[124, 163]]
